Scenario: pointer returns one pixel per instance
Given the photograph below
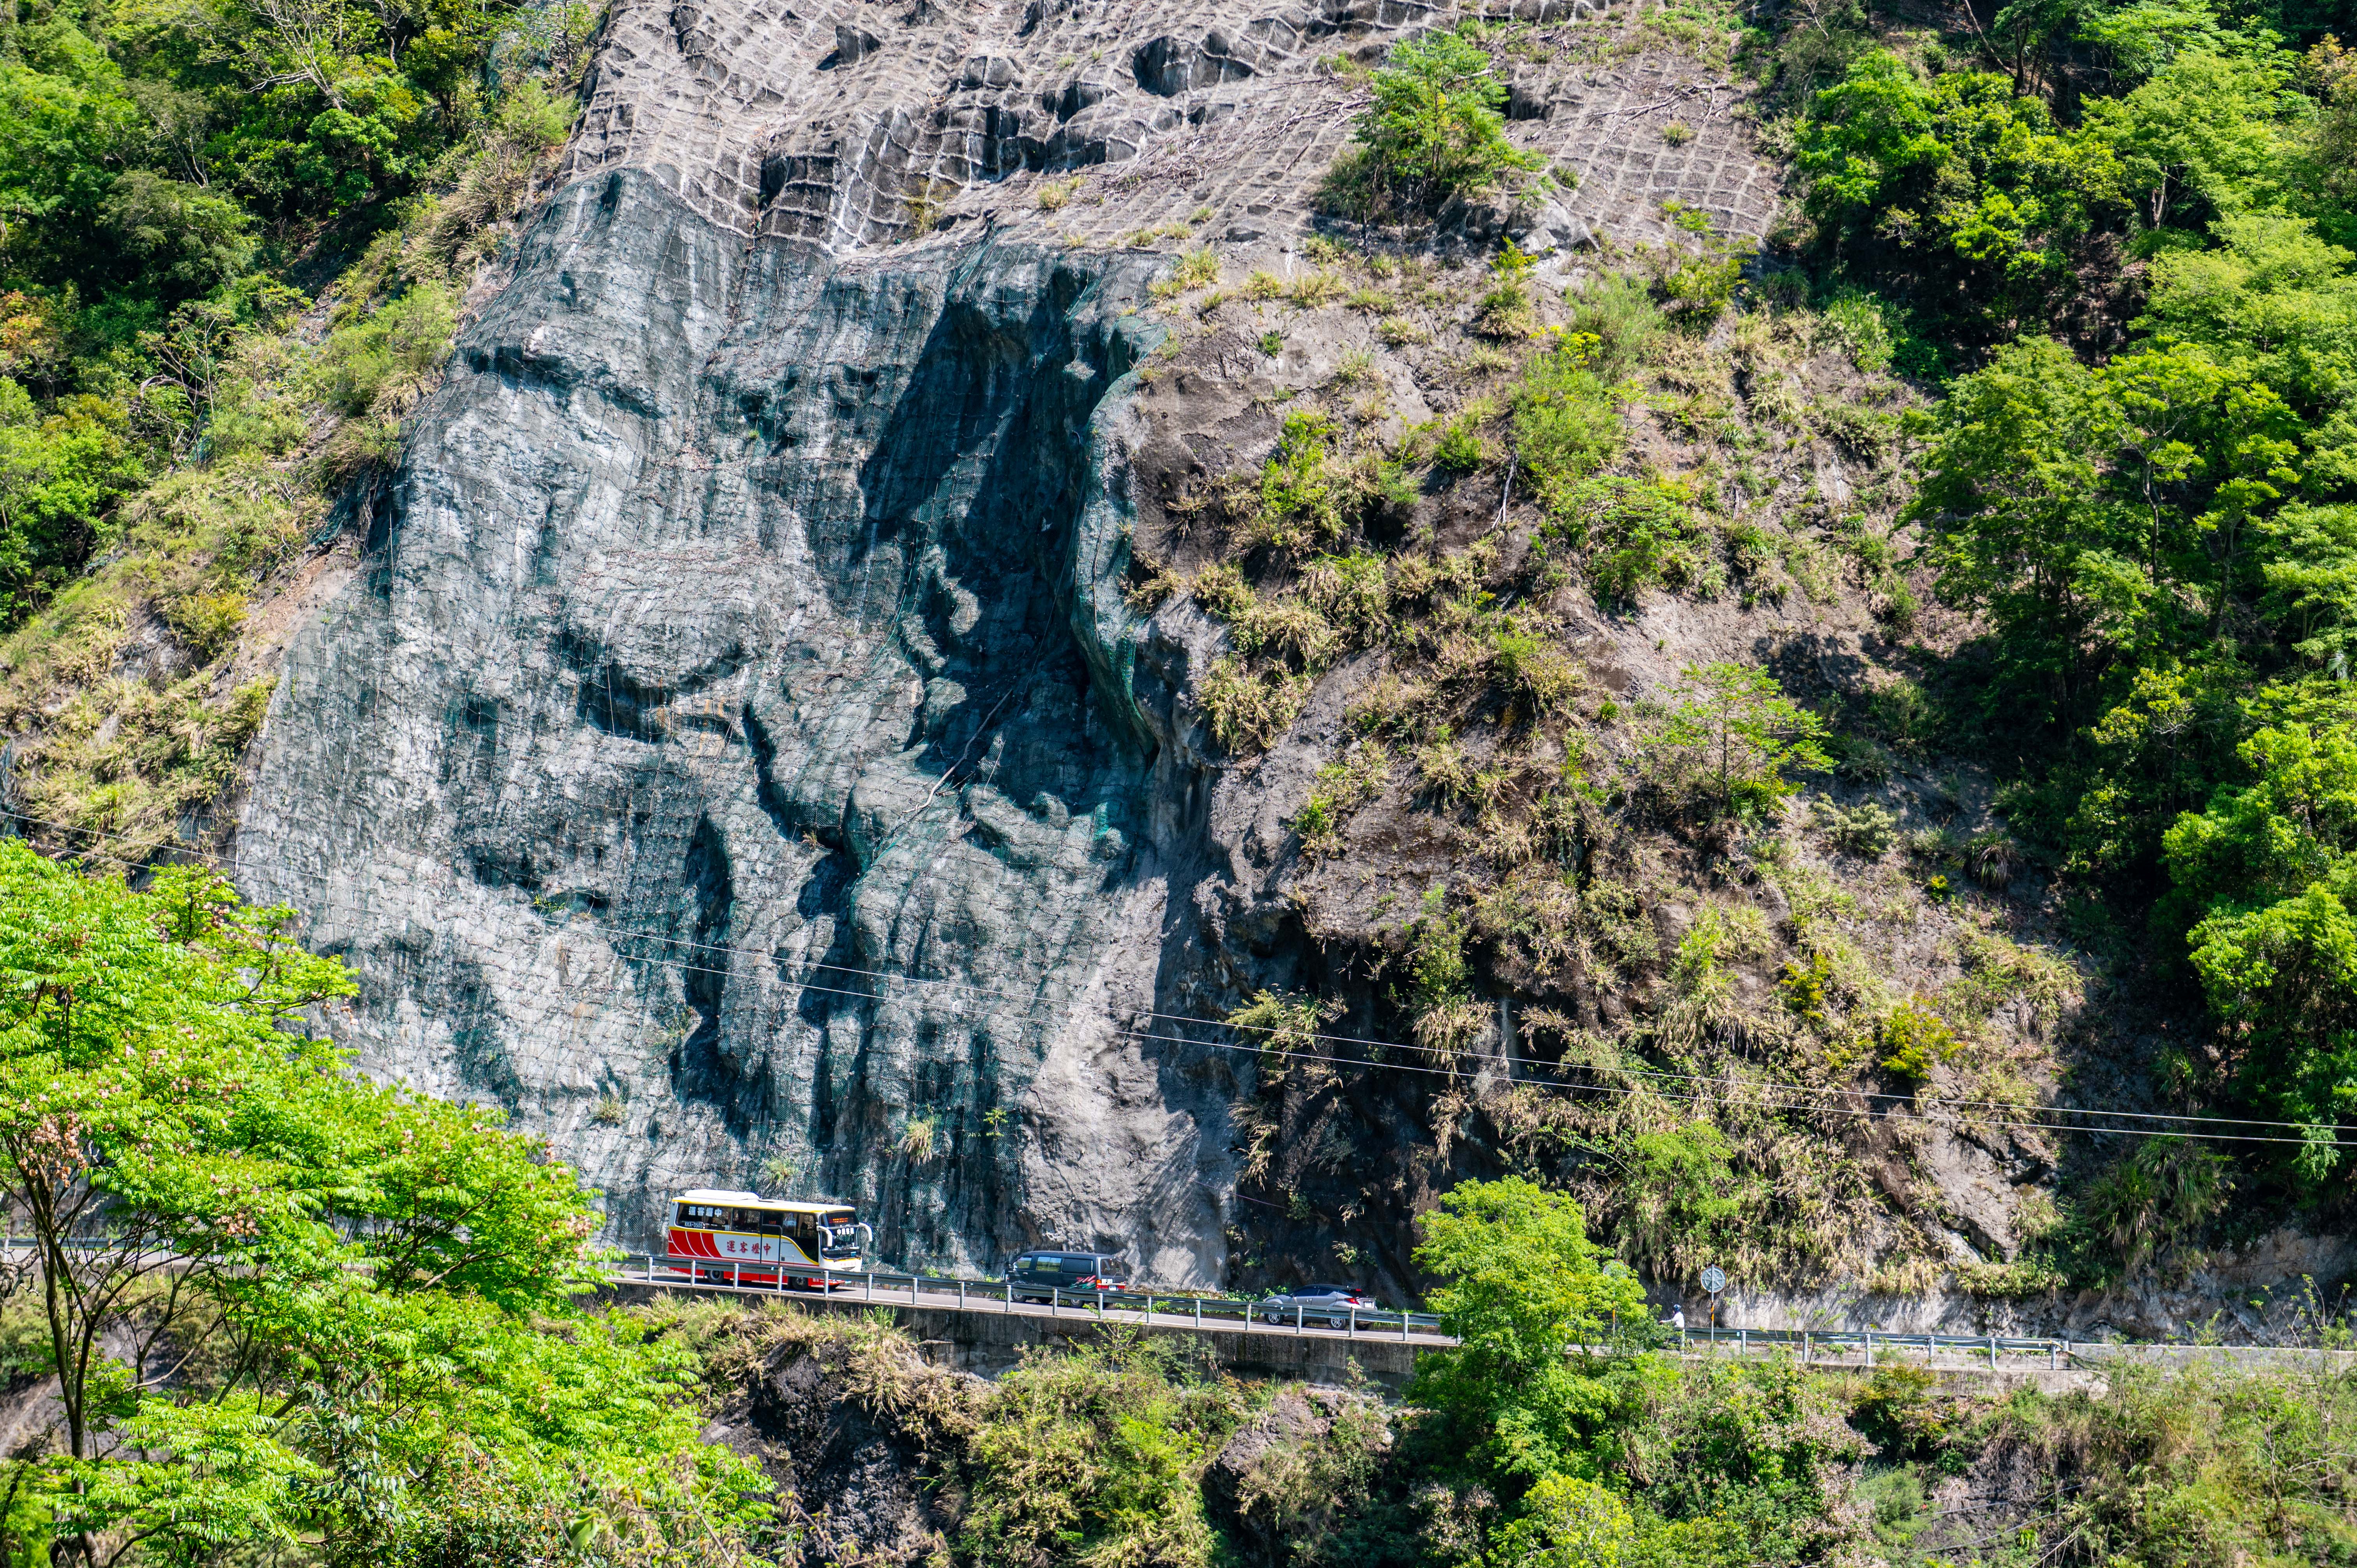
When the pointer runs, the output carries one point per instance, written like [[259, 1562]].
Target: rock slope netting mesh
[[730, 756], [858, 124]]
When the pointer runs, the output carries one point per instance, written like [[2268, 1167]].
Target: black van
[[1035, 1276]]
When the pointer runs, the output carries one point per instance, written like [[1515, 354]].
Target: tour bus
[[742, 1238]]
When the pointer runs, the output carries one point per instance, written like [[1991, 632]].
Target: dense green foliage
[[2159, 532], [1434, 132], [174, 424], [1128, 1451], [286, 1307], [1601, 1451], [1527, 1295], [159, 167]]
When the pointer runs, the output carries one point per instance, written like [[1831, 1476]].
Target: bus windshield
[[838, 1235]]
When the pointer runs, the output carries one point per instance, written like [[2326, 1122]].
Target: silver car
[[1328, 1305]]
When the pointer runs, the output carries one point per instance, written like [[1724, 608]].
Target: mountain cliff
[[732, 748]]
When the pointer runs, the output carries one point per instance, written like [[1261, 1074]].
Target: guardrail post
[[912, 1293], [1804, 1346], [1992, 1352], [1100, 1301], [1870, 1346], [961, 1296], [1402, 1325], [1198, 1314], [1742, 1343], [871, 1284], [1298, 1316], [1055, 1298], [2053, 1361], [1008, 1298], [1355, 1322]]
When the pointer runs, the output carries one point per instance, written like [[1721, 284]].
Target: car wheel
[[1337, 1322], [1274, 1319]]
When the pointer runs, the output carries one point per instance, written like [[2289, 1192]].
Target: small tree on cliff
[[1729, 736], [1545, 1324], [1434, 132]]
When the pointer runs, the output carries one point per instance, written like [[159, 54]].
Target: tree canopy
[[1542, 1319], [283, 1304]]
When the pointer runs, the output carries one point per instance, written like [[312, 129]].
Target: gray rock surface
[[727, 756]]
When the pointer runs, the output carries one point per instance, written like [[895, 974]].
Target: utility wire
[[1734, 1081]]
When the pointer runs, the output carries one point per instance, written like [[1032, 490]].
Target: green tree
[[1567, 1522], [59, 474], [1683, 1198], [2099, 515], [2274, 303], [2145, 39], [1733, 726], [66, 124], [2268, 874], [279, 1300], [1545, 1327], [1433, 131], [2209, 135], [179, 240], [1958, 182]]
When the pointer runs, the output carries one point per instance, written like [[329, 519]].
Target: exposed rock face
[[853, 1429], [736, 754], [734, 730]]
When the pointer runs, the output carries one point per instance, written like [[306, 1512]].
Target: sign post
[[1714, 1280]]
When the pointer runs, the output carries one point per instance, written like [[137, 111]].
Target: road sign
[[1714, 1279]]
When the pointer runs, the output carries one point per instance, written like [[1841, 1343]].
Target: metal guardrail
[[1874, 1348], [1164, 1308], [1816, 1345]]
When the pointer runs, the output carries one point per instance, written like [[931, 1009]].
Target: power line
[[1510, 1060], [1811, 1104]]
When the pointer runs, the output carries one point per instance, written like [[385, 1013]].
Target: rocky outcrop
[[856, 1432], [1310, 1455], [727, 757], [850, 124]]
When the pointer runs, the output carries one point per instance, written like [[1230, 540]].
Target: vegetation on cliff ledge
[[2005, 499], [233, 239]]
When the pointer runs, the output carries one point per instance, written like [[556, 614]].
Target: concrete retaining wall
[[988, 1343]]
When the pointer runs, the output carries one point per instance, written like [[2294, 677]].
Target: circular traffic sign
[[1714, 1279]]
